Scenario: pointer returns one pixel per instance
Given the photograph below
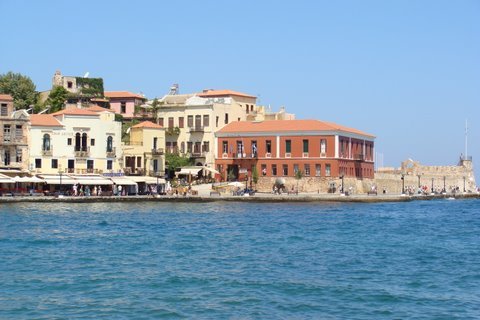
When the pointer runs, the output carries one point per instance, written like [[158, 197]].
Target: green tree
[[155, 108], [255, 176], [298, 176], [230, 175], [20, 87], [175, 161], [56, 99]]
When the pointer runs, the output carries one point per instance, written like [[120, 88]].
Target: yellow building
[[76, 141], [144, 152]]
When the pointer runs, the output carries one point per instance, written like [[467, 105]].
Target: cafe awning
[[6, 179], [93, 180], [146, 179], [32, 179], [193, 171], [55, 179], [123, 181]]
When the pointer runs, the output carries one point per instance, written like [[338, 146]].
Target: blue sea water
[[415, 260]]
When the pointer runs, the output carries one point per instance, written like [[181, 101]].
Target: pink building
[[124, 102]]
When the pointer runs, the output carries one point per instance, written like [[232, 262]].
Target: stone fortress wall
[[388, 179]]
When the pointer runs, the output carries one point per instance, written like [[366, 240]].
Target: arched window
[[78, 141], [84, 142], [109, 144], [46, 142]]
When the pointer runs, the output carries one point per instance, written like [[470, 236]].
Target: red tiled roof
[[75, 112], [6, 97], [287, 126], [148, 124], [98, 109], [44, 120], [122, 94], [223, 93]]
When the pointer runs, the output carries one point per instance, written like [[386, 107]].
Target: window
[[306, 169], [323, 147], [288, 146], [123, 107], [238, 119], [327, 170], [54, 163], [216, 121], [18, 132], [182, 147], [225, 146], [155, 166], [71, 165], [254, 148], [109, 164], [285, 169], [190, 121], [19, 156], [264, 169], [180, 122], [160, 121], [92, 142], [305, 146], [246, 107], [4, 110], [274, 169], [269, 146], [189, 146], [170, 122], [84, 142], [139, 162], [240, 148], [226, 118], [69, 84], [206, 120], [295, 168], [109, 144], [38, 163], [197, 147], [318, 170], [155, 139], [89, 166], [46, 142], [6, 157], [78, 141], [198, 121], [6, 132], [206, 146], [69, 141]]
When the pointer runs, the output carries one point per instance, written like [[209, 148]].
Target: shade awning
[[123, 181], [146, 179], [93, 180], [55, 179], [189, 171], [28, 179], [6, 179]]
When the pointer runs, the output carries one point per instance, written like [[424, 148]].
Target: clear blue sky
[[406, 71]]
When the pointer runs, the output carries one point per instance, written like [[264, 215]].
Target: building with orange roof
[[14, 136], [125, 102], [144, 152], [75, 141], [322, 151]]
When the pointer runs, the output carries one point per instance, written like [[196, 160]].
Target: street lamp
[[432, 185], [464, 190], [444, 189], [403, 183]]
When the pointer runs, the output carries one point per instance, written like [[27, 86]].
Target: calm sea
[[417, 260]]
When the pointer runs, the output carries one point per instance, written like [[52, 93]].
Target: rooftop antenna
[[174, 90], [86, 74]]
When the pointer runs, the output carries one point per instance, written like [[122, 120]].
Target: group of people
[[85, 190]]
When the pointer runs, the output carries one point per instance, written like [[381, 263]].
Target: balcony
[[196, 129], [10, 140], [172, 149], [48, 153], [83, 153], [198, 154], [157, 151], [112, 153], [359, 157]]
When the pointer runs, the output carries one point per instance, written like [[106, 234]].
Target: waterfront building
[[125, 103], [14, 136], [76, 141], [191, 120], [280, 148], [144, 152]]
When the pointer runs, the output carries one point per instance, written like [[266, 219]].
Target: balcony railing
[[157, 151], [197, 129], [172, 149], [359, 157], [10, 140], [48, 153], [82, 153], [111, 153], [198, 154]]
